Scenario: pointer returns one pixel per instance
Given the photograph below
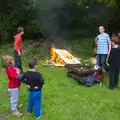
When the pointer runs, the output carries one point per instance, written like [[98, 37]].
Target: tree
[[109, 2]]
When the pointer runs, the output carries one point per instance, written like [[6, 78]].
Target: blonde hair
[[7, 61]]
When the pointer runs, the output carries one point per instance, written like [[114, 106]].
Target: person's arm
[[22, 78], [96, 39], [17, 42], [110, 57], [41, 80], [110, 46]]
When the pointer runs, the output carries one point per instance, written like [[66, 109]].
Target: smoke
[[55, 20]]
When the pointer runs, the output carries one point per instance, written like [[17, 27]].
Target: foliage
[[64, 18], [109, 2]]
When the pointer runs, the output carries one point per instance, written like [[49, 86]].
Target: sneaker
[[40, 114], [29, 113], [39, 117], [17, 114], [111, 88]]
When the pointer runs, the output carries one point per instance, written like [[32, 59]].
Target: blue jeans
[[18, 61], [101, 61], [34, 101]]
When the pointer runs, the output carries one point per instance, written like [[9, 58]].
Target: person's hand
[[19, 53], [108, 53], [28, 86], [18, 70], [23, 51], [36, 87]]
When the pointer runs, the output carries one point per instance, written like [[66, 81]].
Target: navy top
[[32, 78]]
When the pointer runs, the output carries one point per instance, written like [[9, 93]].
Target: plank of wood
[[56, 65], [63, 54]]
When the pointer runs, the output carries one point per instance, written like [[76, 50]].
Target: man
[[103, 48], [18, 48]]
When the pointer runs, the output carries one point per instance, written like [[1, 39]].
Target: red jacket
[[18, 42], [12, 73]]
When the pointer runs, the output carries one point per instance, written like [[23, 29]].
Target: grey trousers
[[14, 93]]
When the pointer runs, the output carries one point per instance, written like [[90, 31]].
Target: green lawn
[[63, 98]]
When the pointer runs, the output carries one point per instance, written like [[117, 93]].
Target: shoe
[[110, 88], [39, 117], [17, 114], [29, 113], [40, 114]]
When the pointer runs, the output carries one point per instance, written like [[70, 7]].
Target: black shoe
[[111, 88]]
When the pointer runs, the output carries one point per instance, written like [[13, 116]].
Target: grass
[[63, 98]]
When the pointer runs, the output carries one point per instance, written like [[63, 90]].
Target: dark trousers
[[18, 61], [34, 102], [113, 78], [101, 61]]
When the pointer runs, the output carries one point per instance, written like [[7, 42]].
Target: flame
[[54, 57]]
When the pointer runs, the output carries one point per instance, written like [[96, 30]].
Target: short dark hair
[[20, 29], [116, 40], [32, 63]]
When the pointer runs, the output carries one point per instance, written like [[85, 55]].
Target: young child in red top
[[13, 84], [18, 48]]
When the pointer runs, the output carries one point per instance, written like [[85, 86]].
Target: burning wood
[[60, 57]]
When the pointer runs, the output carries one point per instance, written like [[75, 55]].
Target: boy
[[13, 84], [35, 81], [103, 48], [114, 63], [18, 48]]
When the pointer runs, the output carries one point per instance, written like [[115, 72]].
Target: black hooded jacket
[[114, 58]]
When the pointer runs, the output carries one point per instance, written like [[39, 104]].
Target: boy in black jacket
[[114, 63], [35, 81]]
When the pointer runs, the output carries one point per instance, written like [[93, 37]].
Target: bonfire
[[60, 57]]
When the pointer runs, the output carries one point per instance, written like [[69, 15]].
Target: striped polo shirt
[[103, 41]]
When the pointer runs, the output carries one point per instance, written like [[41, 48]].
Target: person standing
[[13, 84], [103, 48], [35, 82], [114, 63], [18, 48]]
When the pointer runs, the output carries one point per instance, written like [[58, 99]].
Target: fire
[[52, 53], [60, 57], [54, 58]]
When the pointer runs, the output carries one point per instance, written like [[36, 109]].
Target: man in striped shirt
[[103, 48]]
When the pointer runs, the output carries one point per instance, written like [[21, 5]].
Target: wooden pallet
[[63, 53], [80, 69], [56, 65]]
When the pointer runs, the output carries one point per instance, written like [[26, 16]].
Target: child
[[114, 63], [35, 81], [18, 48], [103, 48], [13, 84]]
